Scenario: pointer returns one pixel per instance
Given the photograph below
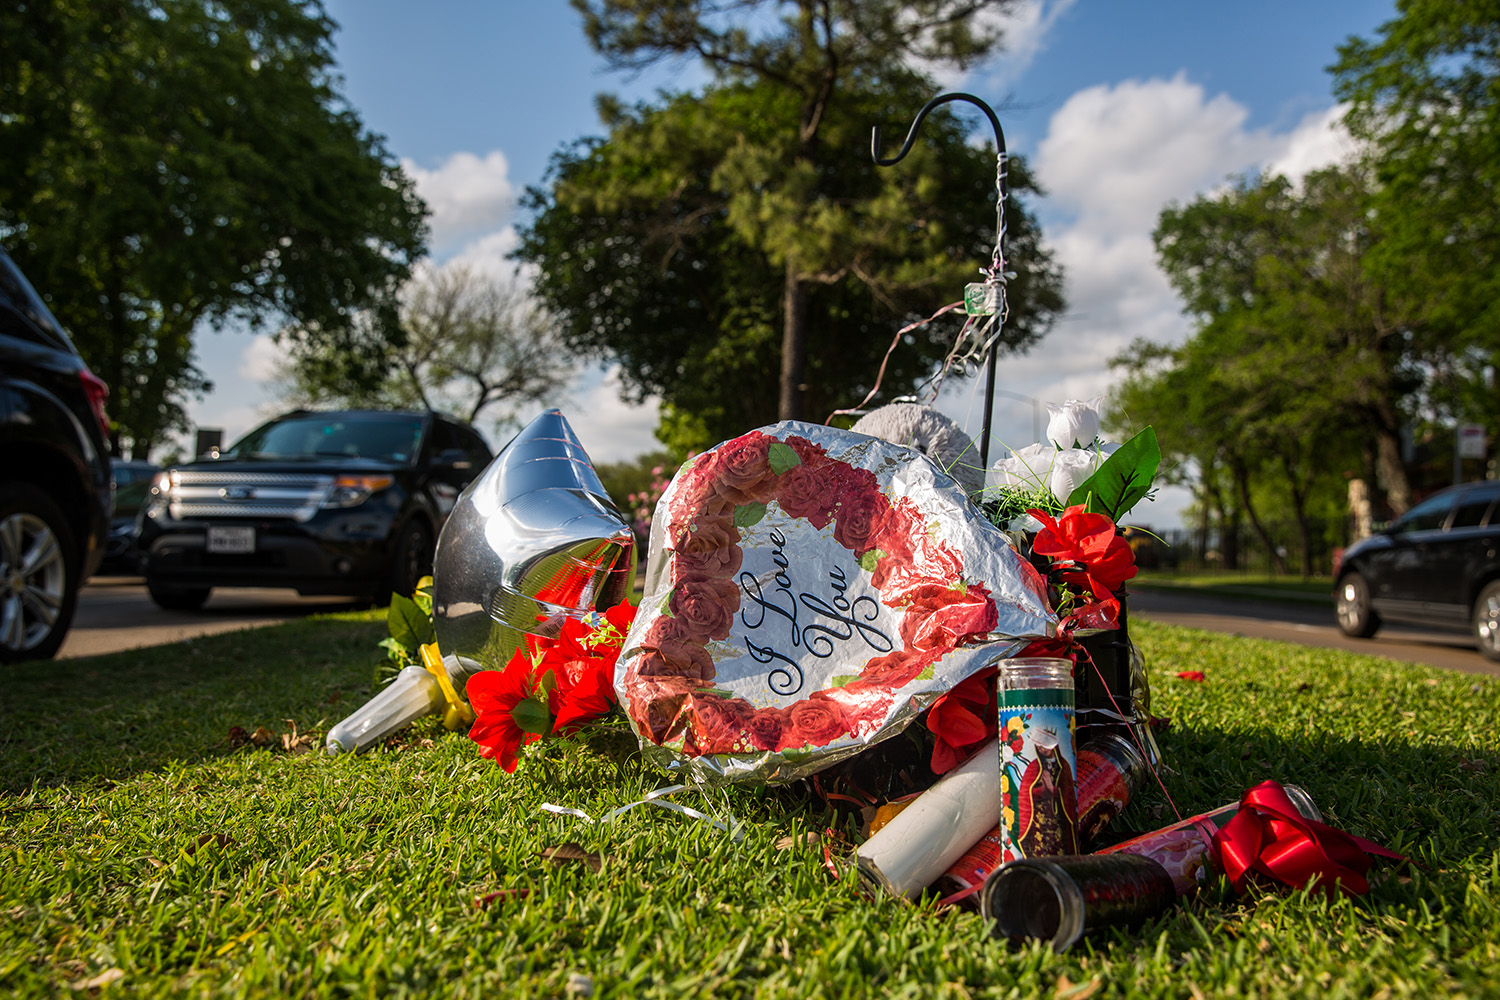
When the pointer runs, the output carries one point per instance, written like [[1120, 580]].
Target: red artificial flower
[[1102, 558], [512, 710], [589, 696], [963, 719], [1190, 675]]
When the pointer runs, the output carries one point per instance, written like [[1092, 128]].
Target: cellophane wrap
[[809, 592]]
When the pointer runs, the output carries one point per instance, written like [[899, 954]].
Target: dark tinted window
[[389, 437], [1428, 515], [22, 313], [1472, 507]]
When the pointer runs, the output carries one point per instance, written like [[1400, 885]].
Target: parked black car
[[1438, 565], [346, 502], [132, 483], [54, 472]]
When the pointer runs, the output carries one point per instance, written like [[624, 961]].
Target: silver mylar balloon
[[531, 542]]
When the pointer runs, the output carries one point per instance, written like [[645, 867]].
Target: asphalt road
[[115, 613], [1308, 624]]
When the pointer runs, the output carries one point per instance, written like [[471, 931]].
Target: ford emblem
[[237, 493]]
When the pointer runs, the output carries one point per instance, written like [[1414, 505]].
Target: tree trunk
[[1299, 511], [1391, 469], [1242, 489], [793, 347]]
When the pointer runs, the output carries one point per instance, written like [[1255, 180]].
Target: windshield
[[385, 437]]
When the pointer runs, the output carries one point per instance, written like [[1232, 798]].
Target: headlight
[[161, 489], [350, 491]]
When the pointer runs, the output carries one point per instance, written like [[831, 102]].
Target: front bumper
[[332, 554]]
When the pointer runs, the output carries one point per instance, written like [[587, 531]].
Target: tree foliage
[[649, 251], [1298, 374], [1424, 96], [166, 163], [737, 245], [471, 343]]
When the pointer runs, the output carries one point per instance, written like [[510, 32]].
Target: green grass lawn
[[1240, 585], [142, 852]]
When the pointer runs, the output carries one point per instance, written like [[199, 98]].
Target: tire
[[1487, 621], [1356, 618], [177, 598], [39, 574], [411, 560]]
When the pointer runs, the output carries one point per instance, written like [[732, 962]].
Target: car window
[[387, 437], [1472, 507], [1428, 515], [22, 312]]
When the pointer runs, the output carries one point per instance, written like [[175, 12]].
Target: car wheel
[[38, 574], [1356, 618], [177, 598], [1487, 621], [412, 560]]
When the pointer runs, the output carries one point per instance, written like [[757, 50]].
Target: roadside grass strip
[[168, 828]]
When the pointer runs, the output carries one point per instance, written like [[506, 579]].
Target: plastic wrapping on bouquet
[[1059, 899], [1110, 770], [1186, 849], [531, 542], [1113, 693]]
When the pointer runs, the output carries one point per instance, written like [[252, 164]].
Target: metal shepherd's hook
[[996, 274]]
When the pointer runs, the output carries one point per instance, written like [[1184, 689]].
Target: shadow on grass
[[105, 718], [1406, 756]]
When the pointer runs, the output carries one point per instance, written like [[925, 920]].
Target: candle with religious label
[[1110, 769], [1186, 849], [1038, 796]]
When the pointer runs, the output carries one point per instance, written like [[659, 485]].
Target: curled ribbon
[[1269, 836]]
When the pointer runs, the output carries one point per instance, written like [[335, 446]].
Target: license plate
[[231, 541]]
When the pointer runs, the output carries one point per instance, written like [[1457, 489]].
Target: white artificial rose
[[1028, 467], [1074, 422], [1070, 468]]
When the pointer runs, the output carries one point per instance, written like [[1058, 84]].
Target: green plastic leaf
[[423, 596], [783, 457], [531, 716], [839, 680], [748, 513], [869, 559], [408, 625], [1123, 479], [394, 650]]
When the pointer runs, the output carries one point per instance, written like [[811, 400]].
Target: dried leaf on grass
[[563, 853], [218, 840], [499, 895], [808, 839], [1069, 990], [294, 742], [98, 982]]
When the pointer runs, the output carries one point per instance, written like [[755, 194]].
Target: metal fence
[[1241, 551]]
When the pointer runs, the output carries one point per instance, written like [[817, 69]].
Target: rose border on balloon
[[668, 682]]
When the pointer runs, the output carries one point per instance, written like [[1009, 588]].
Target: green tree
[[639, 253], [760, 193], [1425, 96], [1275, 277], [166, 163], [471, 343]]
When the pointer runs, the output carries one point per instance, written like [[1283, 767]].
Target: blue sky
[[1121, 108]]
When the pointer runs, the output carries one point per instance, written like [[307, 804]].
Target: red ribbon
[[1269, 836]]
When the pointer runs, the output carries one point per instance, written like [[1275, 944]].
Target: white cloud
[[469, 196], [259, 359], [610, 429], [1113, 158], [1024, 30]]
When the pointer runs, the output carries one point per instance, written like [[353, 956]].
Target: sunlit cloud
[[469, 196]]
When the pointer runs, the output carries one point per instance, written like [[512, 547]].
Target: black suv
[[1438, 565], [54, 488], [346, 502]]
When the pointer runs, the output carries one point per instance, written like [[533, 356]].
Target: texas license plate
[[231, 541]]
